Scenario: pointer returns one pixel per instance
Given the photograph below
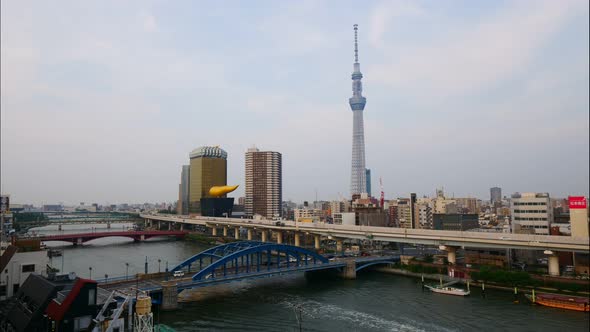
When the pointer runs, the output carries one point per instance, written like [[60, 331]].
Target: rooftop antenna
[[356, 48]]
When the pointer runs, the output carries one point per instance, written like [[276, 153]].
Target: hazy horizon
[[102, 101]]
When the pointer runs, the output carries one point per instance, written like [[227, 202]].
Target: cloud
[[384, 13], [148, 21], [461, 63]]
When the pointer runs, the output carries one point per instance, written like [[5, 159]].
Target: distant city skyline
[[461, 96]]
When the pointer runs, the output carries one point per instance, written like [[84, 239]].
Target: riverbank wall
[[445, 278]]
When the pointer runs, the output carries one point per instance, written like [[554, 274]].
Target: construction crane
[[382, 193]]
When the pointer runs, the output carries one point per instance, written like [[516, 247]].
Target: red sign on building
[[577, 202]]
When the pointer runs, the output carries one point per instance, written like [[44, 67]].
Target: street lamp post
[[159, 261], [90, 270], [126, 270]]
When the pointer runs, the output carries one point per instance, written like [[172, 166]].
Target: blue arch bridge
[[238, 261]]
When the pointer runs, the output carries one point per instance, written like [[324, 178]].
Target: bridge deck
[[155, 285]]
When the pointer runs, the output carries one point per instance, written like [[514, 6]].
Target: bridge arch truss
[[248, 257]]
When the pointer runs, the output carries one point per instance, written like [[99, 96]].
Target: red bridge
[[135, 235]]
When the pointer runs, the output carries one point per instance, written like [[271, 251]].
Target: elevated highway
[[389, 234]]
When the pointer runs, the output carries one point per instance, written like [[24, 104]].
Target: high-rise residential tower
[[208, 168], [264, 183], [358, 180], [183, 190]]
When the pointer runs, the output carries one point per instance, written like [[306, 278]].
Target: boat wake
[[356, 320]]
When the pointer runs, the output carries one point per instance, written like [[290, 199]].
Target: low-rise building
[[18, 262]]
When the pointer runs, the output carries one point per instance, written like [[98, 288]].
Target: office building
[[208, 168], [455, 222], [308, 215], [531, 213], [467, 205], [264, 183], [183, 190], [578, 206], [495, 196], [344, 218], [358, 180]]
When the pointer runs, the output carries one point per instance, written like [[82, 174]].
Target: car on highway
[[178, 274]]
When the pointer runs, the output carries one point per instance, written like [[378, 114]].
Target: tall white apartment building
[[264, 183], [531, 211]]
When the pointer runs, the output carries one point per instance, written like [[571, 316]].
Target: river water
[[372, 302]]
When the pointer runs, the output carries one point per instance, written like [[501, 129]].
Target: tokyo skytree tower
[[358, 180]]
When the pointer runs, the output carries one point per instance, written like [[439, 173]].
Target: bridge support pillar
[[552, 263], [263, 234], [316, 240], [349, 271], [225, 231], [214, 231], [182, 227], [451, 254], [169, 295], [250, 234], [297, 239], [237, 233], [279, 237], [169, 226], [159, 225], [339, 246]]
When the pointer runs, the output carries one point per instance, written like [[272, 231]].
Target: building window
[[92, 296], [28, 268], [2, 290]]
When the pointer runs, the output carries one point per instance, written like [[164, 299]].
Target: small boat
[[577, 303], [449, 290]]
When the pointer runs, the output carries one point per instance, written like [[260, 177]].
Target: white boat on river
[[449, 290]]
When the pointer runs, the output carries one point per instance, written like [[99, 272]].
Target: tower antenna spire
[[356, 48]]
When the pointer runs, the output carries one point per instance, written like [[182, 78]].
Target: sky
[[102, 101]]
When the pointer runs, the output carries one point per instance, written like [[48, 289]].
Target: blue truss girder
[[217, 252], [388, 261], [241, 251]]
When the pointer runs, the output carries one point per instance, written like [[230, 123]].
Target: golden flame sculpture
[[219, 191]]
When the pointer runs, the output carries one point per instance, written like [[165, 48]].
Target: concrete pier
[[316, 240], [279, 237], [237, 233], [169, 296], [250, 231], [225, 228], [349, 271], [214, 231], [552, 263], [263, 234], [297, 239], [339, 246]]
